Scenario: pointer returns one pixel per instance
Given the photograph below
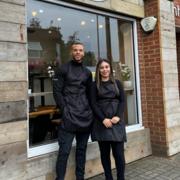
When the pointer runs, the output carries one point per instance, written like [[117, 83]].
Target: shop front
[[51, 28], [35, 38]]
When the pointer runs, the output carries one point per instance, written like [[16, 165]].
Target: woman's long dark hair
[[98, 78]]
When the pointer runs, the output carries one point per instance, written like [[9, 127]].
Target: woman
[[107, 101]]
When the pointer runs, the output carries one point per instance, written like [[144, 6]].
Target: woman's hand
[[115, 120], [107, 122]]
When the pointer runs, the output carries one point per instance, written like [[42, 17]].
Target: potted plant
[[125, 75], [50, 71]]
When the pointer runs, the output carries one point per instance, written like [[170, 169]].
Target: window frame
[[52, 147]]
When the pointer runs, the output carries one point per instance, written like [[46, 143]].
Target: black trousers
[[118, 154], [65, 140]]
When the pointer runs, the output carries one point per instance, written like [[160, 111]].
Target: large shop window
[[51, 30]]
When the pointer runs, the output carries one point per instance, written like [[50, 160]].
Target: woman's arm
[[121, 106], [93, 101]]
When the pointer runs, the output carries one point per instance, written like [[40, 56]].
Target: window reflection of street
[[51, 30]]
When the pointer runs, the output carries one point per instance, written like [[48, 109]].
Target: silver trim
[[137, 74]]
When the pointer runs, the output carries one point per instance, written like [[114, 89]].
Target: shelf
[[129, 89], [39, 94]]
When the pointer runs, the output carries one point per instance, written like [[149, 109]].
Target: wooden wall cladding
[[13, 71], [12, 32], [13, 111], [13, 91], [13, 161], [20, 2], [16, 15], [13, 132], [11, 51]]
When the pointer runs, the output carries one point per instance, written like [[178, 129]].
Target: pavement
[[150, 168]]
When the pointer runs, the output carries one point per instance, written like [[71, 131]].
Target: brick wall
[[151, 82], [177, 19]]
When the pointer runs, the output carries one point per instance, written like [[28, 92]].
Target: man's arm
[[58, 86], [88, 85]]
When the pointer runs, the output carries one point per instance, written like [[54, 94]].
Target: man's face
[[77, 52]]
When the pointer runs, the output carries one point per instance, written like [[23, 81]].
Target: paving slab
[[150, 168]]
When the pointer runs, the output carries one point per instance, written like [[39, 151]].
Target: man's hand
[[107, 122], [115, 120]]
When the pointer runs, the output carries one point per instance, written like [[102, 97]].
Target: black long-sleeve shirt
[[108, 95], [70, 90]]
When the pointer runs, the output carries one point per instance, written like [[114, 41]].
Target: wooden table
[[51, 110]]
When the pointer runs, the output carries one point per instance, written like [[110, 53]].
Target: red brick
[[151, 80]]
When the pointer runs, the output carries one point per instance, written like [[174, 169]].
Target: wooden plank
[[171, 93], [170, 79], [174, 147], [13, 91], [12, 13], [138, 2], [40, 166], [13, 111], [20, 2], [13, 132], [94, 167], [40, 178], [12, 161], [133, 9], [13, 71], [127, 8], [15, 172], [13, 51], [138, 146], [169, 54], [51, 176], [13, 32], [13, 153], [103, 4]]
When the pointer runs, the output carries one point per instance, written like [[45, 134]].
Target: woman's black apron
[[108, 102]]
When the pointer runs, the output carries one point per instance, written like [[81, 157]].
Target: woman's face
[[104, 70]]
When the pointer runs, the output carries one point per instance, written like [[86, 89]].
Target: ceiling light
[[34, 13], [100, 26], [59, 19], [41, 11], [83, 23], [92, 20]]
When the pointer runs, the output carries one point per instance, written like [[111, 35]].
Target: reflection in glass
[[127, 57], [51, 30], [102, 37], [63, 27], [114, 40]]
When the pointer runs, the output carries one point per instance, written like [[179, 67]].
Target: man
[[70, 88]]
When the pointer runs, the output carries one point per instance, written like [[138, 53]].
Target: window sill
[[52, 147]]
